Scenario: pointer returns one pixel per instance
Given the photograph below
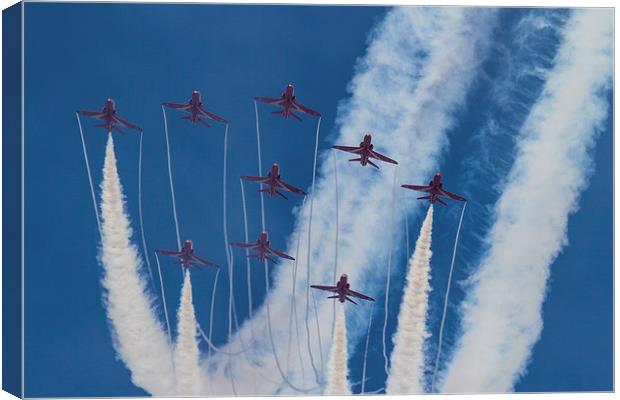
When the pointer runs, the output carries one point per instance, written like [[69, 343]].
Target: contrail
[[260, 167], [309, 250], [293, 314], [138, 336], [388, 275], [90, 178], [145, 249], [228, 254], [337, 227], [407, 90], [174, 204], [337, 365], [445, 301], [502, 315], [365, 363], [186, 353], [407, 363], [163, 300]]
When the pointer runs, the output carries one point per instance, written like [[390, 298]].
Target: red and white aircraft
[[196, 110], [110, 118], [435, 190], [274, 182], [342, 290], [263, 248], [288, 102], [186, 256], [366, 151]]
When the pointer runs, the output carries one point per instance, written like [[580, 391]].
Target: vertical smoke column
[[337, 368], [407, 368], [138, 336], [186, 352]]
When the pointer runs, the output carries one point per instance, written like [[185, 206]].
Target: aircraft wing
[[168, 252], [381, 157], [290, 188], [127, 123], [211, 115], [205, 262], [305, 109], [255, 178], [350, 149], [244, 245], [268, 100], [326, 288], [452, 195], [279, 253], [359, 295], [417, 187], [90, 113], [176, 105]]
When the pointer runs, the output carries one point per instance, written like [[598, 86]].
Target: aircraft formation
[[365, 154]]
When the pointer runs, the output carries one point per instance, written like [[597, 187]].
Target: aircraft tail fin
[[424, 198], [373, 164], [355, 159], [333, 297]]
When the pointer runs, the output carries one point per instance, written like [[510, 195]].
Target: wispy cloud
[[502, 316]]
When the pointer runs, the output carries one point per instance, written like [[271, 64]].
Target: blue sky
[[79, 54]]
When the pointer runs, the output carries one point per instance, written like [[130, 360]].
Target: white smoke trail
[[407, 366], [137, 333], [414, 78], [186, 351], [502, 316], [337, 365]]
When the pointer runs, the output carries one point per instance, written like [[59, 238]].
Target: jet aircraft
[[365, 151], [274, 182], [264, 250], [289, 103], [196, 110], [109, 117], [342, 290], [435, 190], [186, 256]]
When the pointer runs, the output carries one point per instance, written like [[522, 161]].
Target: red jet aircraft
[[109, 117], [187, 258], [194, 107], [365, 152], [288, 103], [435, 190], [342, 291], [263, 249], [274, 182]]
